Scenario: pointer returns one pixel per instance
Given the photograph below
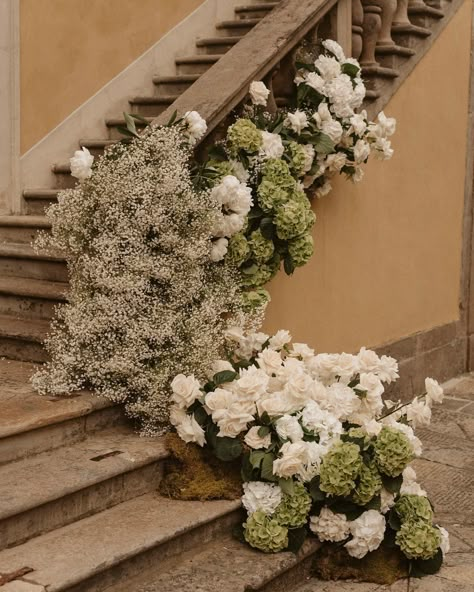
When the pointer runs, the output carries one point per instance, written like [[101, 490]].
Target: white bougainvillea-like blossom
[[259, 93], [81, 164]]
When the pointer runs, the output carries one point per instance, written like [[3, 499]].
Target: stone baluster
[[401, 14], [371, 26], [357, 28], [389, 8], [416, 4]]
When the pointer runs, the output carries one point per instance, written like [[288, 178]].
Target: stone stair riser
[[288, 580], [28, 307], [64, 180], [86, 502], [254, 14], [19, 234], [238, 27], [193, 67], [148, 110], [393, 61], [50, 437], [213, 48], [170, 88], [408, 39], [152, 558], [15, 348], [37, 207], [40, 269]]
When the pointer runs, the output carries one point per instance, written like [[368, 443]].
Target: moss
[[383, 566], [193, 473]]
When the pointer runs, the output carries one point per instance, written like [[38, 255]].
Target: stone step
[[151, 106], [115, 122], [217, 45], [254, 11], [30, 424], [63, 485], [409, 35], [167, 85], [422, 15], [30, 298], [22, 339], [196, 64], [37, 201], [237, 27], [375, 76], [22, 229], [63, 178], [96, 146], [22, 260], [135, 536], [226, 565], [393, 56]]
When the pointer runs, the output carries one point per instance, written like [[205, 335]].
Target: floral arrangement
[[321, 451]]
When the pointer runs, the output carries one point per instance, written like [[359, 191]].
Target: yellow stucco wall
[[71, 48], [388, 250]]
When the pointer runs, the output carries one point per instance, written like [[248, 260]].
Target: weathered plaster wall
[[388, 251], [70, 49]]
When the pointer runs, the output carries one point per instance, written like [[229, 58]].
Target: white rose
[[288, 428], [445, 544], [297, 121], [322, 367], [272, 146], [333, 129], [359, 123], [329, 526], [259, 93], [386, 125], [218, 402], [186, 389], [368, 360], [219, 249], [239, 171], [387, 369], [358, 174], [269, 361], [177, 415], [324, 189], [361, 151], [368, 531], [434, 390], [342, 401], [81, 164], [320, 421], [335, 49], [373, 388], [234, 421], [335, 162], [298, 390], [190, 431], [310, 153], [261, 497], [196, 126], [274, 404], [294, 457], [279, 340], [387, 500], [418, 413], [220, 366], [255, 441], [253, 382], [345, 366], [372, 427], [302, 351], [315, 81]]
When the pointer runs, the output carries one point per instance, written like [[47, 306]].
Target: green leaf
[[227, 449], [394, 520], [267, 228], [374, 504], [350, 69], [265, 418], [224, 376], [250, 269], [315, 491], [125, 131], [263, 431], [267, 467], [296, 538], [172, 119], [255, 212], [426, 567], [140, 118], [289, 265], [217, 153], [130, 122], [287, 486], [201, 416], [392, 484], [238, 532], [247, 469], [256, 457], [305, 66], [348, 508], [323, 144]]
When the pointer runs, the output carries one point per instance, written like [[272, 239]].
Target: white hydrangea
[[329, 526], [261, 496], [297, 121], [288, 428], [342, 401], [368, 532], [272, 146], [335, 49], [387, 500], [320, 421], [445, 544]]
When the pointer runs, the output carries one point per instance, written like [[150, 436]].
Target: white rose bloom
[[81, 164], [269, 361], [234, 421], [320, 421], [328, 67], [373, 388], [434, 390], [301, 350], [274, 404], [333, 129], [280, 339], [329, 526], [298, 390], [319, 394], [335, 162], [368, 360], [261, 497], [219, 401], [220, 366], [372, 427], [294, 457], [418, 413], [342, 401], [291, 368], [387, 500], [297, 121], [358, 174], [253, 382], [361, 151], [259, 93], [387, 369], [272, 146], [186, 389], [255, 441], [315, 81], [386, 125], [368, 531], [445, 544], [346, 366], [335, 49], [190, 431], [288, 428], [195, 125], [359, 123], [310, 153], [358, 94], [219, 249], [177, 415], [322, 367], [383, 149]]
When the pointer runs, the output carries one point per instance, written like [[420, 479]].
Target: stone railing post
[[388, 10], [401, 14], [416, 4], [371, 26], [342, 25], [357, 28]]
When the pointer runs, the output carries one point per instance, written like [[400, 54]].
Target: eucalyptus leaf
[[224, 376]]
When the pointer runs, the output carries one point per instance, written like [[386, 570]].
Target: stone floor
[[446, 471]]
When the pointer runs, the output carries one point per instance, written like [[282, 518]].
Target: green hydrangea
[[310, 219], [255, 299], [270, 195], [412, 508], [265, 533], [340, 467], [262, 248], [277, 172], [393, 451], [262, 275], [301, 197], [418, 539], [238, 249], [301, 249], [244, 135], [297, 157], [223, 168], [368, 485], [291, 220], [294, 509]]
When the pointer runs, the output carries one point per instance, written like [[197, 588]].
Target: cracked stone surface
[[446, 471]]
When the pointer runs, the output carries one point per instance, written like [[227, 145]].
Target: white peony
[[329, 526], [272, 146], [259, 93], [219, 249], [445, 544], [359, 123], [342, 401], [196, 126], [81, 164], [288, 428], [368, 531], [302, 351], [328, 67], [255, 441], [434, 390], [315, 81], [186, 389], [190, 431], [260, 496], [297, 121], [280, 339], [418, 413], [320, 421], [361, 151], [335, 49], [387, 500], [253, 382]]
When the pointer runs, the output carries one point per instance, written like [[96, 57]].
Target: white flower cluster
[[145, 300]]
